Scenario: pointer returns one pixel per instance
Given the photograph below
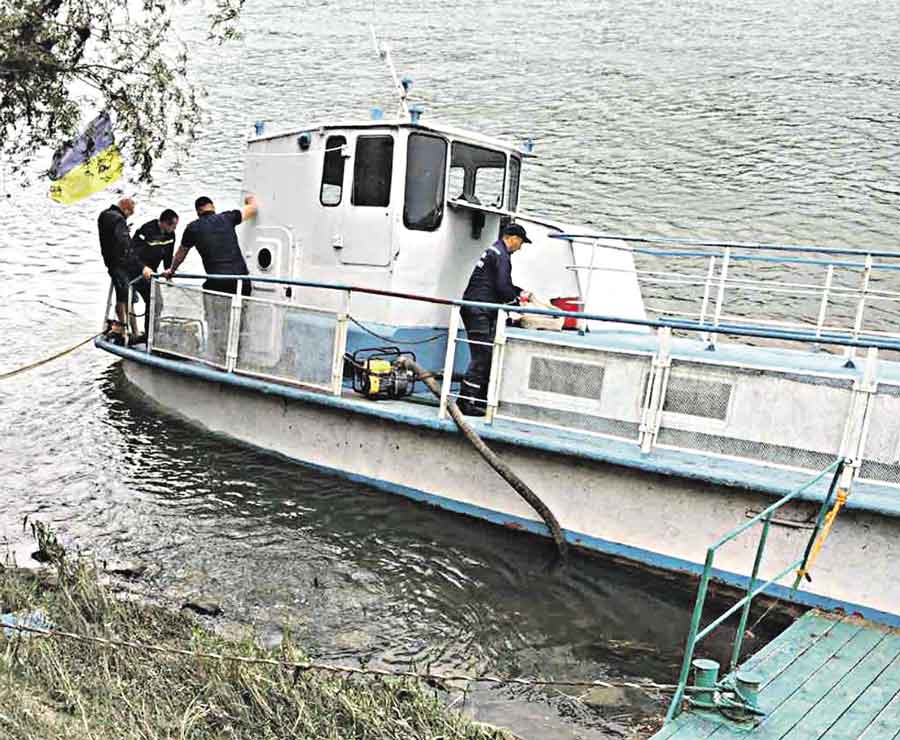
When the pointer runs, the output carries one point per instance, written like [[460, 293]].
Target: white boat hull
[[662, 521]]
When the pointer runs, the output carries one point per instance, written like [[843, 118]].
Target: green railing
[[765, 517]]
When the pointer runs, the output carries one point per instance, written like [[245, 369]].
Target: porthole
[[264, 258]]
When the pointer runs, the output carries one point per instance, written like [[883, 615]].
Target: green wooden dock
[[827, 676]]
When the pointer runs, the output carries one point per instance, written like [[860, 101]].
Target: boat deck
[[827, 676]]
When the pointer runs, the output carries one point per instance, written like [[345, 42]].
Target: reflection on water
[[768, 121]]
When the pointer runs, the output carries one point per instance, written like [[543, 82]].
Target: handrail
[[695, 634], [689, 326], [743, 257], [810, 249]]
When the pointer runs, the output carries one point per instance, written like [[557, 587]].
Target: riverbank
[[59, 687]]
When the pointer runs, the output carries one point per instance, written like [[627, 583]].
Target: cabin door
[[365, 233]]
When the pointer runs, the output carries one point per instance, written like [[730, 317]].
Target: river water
[[768, 121]]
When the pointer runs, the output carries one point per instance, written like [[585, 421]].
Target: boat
[[646, 431]]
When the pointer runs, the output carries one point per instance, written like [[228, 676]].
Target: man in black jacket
[[155, 240], [491, 282], [122, 263]]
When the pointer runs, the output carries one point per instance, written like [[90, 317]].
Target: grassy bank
[[61, 688]]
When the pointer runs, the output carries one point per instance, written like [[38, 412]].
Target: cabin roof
[[450, 131]]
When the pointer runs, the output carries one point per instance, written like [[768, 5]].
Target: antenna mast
[[401, 87]]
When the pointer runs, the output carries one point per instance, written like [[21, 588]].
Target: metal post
[[706, 679], [720, 296], [823, 306], [234, 328], [651, 415], [340, 347], [745, 612], [496, 362], [151, 307], [869, 387], [850, 353], [109, 295], [704, 337], [587, 288], [449, 361], [692, 636], [129, 306]]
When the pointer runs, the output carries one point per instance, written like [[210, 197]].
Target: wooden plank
[[793, 642], [782, 686], [777, 654], [875, 708], [847, 691], [688, 726], [802, 698], [887, 720]]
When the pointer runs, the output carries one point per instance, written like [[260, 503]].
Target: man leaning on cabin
[[491, 282], [123, 266], [216, 240]]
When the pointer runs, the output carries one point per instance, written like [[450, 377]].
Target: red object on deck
[[568, 304]]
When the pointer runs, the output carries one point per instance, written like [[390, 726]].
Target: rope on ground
[[331, 668], [395, 340], [495, 462], [4, 376]]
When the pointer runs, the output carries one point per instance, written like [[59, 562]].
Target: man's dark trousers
[[480, 327]]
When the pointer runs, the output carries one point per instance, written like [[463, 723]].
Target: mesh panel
[[697, 396], [191, 323], [779, 454], [880, 472], [565, 378], [287, 342], [595, 424]]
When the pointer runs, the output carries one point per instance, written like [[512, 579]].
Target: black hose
[[502, 469]]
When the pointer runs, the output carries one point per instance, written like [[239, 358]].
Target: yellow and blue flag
[[87, 165]]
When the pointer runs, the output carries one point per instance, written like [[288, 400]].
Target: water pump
[[378, 372]]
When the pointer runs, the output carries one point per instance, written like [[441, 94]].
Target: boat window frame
[[390, 175], [442, 181], [487, 148], [342, 155], [512, 204]]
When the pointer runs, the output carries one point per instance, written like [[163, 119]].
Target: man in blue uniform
[[491, 282], [215, 238]]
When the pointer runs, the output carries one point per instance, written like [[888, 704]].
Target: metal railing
[[714, 281], [225, 335], [695, 634], [860, 389], [864, 340]]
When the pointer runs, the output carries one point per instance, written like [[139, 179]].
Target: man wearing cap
[[491, 282]]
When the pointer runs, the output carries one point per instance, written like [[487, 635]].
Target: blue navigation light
[[407, 83], [529, 145], [377, 114], [304, 140], [415, 113], [260, 126]]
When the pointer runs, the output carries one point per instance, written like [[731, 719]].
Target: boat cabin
[[402, 206]]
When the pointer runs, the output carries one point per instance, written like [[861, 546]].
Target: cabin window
[[477, 175], [426, 166], [333, 171], [515, 171], [372, 170]]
